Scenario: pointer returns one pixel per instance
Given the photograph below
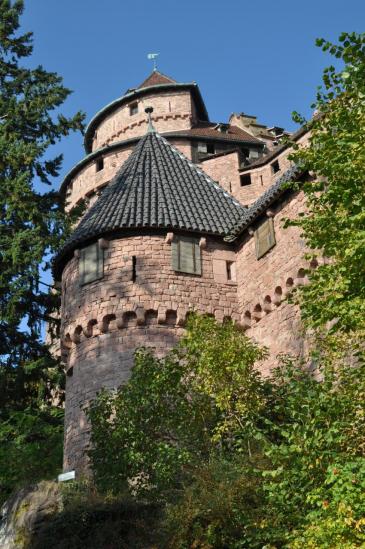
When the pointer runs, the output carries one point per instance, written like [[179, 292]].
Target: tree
[[335, 223], [31, 228], [175, 412]]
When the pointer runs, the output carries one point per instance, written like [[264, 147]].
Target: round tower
[[149, 250], [179, 114]]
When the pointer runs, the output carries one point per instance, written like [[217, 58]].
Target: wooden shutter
[[186, 255], [91, 263], [264, 237]]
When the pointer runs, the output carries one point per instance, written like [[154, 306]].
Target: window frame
[[245, 176], [99, 164], [180, 247], [260, 248], [275, 166], [99, 270], [133, 108]]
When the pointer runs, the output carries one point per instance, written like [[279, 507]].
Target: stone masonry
[[134, 185]]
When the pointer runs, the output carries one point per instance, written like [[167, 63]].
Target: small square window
[[133, 109], [245, 179], [275, 166], [264, 237], [99, 164], [186, 255], [210, 148], [91, 263]]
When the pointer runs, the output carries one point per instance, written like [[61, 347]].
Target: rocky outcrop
[[24, 513]]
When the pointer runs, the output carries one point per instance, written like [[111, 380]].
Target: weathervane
[[153, 56]]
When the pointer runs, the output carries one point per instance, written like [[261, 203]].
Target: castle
[[182, 214]]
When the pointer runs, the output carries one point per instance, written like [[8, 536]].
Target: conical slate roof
[[158, 187]]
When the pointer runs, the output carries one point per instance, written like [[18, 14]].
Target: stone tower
[[184, 214]]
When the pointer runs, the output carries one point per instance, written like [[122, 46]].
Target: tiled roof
[[233, 133], [158, 187], [263, 202], [156, 78]]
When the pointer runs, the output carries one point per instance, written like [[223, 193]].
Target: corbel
[[77, 254], [169, 238], [203, 243], [270, 213], [103, 243]]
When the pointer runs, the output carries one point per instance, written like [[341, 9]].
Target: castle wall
[[172, 111], [104, 321], [88, 182], [263, 285], [227, 171], [224, 169]]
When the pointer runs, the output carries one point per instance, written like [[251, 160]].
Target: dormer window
[[206, 148], [91, 263], [133, 109], [275, 166], [186, 255], [99, 164]]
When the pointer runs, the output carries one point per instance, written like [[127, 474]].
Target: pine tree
[[32, 227]]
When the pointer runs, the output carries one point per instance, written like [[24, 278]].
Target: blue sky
[[253, 56]]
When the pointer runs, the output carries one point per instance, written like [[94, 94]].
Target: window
[[275, 166], [264, 237], [206, 148], [245, 179], [99, 164], [133, 109], [91, 263], [134, 268], [231, 270], [186, 255], [202, 148]]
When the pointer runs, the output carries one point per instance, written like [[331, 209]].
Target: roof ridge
[[158, 187], [157, 76]]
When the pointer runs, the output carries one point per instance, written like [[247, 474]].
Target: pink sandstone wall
[[171, 111], [224, 169], [264, 283], [104, 321], [88, 181]]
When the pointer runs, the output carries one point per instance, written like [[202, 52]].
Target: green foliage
[[335, 223], [30, 447], [203, 396], [221, 507], [318, 426], [32, 227], [241, 461]]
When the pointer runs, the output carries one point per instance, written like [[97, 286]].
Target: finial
[[153, 56], [149, 111]]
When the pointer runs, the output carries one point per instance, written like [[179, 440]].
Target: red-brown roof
[[156, 78], [233, 133]]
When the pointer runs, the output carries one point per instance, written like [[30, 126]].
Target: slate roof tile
[[263, 202], [158, 187], [209, 130], [156, 78]]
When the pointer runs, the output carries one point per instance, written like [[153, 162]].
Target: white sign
[[70, 475]]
